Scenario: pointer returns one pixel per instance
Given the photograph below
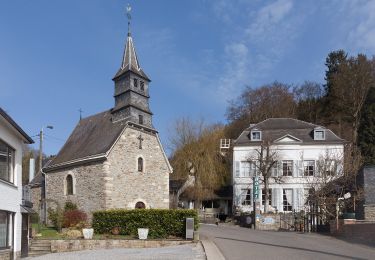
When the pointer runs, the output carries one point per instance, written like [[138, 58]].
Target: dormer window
[[142, 86], [135, 81], [319, 134], [256, 135]]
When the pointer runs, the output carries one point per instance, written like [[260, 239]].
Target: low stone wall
[[5, 254], [355, 231], [80, 244]]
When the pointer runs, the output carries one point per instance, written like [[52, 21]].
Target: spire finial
[[128, 9]]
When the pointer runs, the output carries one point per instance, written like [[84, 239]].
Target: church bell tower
[[131, 87]]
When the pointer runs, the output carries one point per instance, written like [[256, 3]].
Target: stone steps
[[39, 247]]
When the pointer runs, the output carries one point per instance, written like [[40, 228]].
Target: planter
[[88, 233], [142, 233]]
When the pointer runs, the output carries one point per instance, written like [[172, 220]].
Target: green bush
[[160, 222], [70, 206]]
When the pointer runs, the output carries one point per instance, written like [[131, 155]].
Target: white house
[[13, 209], [299, 149]]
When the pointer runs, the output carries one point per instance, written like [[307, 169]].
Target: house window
[[4, 229], [287, 199], [142, 86], [264, 197], [140, 119], [140, 164], [69, 185], [319, 135], [245, 169], [308, 168], [6, 162], [288, 168], [135, 82], [256, 136], [246, 197], [140, 205]]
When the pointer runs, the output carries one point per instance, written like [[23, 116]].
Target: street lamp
[[41, 146]]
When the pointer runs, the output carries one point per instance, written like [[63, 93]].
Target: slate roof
[[93, 136], [130, 61], [16, 126], [275, 128], [175, 185]]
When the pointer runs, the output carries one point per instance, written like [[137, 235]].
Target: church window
[[142, 86], [140, 164], [140, 205], [140, 119], [69, 185], [135, 81]]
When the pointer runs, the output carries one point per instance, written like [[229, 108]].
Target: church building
[[114, 159]]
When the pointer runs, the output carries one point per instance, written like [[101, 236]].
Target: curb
[[211, 250]]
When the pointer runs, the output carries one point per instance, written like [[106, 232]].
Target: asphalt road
[[241, 243]]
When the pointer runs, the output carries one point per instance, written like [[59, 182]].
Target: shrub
[[56, 216], [70, 206], [74, 217], [160, 222]]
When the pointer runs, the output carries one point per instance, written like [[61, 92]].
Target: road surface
[[241, 243]]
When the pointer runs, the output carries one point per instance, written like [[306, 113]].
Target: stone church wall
[[130, 186], [88, 187]]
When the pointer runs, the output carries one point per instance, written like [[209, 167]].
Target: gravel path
[[184, 252]]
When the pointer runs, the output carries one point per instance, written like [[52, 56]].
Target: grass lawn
[[51, 233]]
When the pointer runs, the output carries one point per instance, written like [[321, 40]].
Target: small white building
[[298, 148], [13, 208]]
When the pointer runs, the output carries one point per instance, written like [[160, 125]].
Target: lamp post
[[41, 146]]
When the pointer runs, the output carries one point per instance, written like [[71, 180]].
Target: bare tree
[[265, 161]]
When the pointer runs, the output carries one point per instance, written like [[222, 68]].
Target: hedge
[[160, 222]]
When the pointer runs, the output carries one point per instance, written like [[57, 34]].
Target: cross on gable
[[140, 141]]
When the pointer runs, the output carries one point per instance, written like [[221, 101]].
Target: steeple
[[131, 87]]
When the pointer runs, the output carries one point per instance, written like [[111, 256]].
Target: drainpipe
[[12, 256]]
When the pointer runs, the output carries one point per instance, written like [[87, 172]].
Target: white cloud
[[362, 29]]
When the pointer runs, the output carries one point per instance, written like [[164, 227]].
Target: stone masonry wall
[[88, 181], [36, 198], [130, 186]]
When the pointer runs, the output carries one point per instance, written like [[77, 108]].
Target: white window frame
[[289, 164], [246, 197], [307, 163], [10, 154], [319, 134], [253, 132], [285, 199]]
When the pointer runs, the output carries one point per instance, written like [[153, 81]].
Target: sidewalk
[[185, 252]]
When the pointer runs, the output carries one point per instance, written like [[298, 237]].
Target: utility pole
[[41, 146]]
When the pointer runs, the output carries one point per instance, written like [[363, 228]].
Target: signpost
[[256, 201]]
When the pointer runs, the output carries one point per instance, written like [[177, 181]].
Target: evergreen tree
[[366, 133]]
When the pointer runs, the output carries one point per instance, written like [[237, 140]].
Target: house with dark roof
[[298, 150], [15, 204], [114, 159]]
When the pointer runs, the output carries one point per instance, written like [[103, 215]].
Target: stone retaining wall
[[77, 245]]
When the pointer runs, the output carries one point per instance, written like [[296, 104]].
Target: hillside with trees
[[345, 103]]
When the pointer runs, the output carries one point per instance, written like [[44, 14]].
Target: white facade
[[296, 170], [11, 189]]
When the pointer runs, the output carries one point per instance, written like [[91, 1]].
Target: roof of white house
[[288, 129], [27, 138]]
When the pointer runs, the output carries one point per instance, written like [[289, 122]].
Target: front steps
[[39, 247]]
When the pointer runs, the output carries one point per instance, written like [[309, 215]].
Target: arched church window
[[142, 86], [135, 81], [69, 185], [140, 205], [140, 119], [140, 164]]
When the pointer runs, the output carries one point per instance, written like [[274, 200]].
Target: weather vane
[[128, 9]]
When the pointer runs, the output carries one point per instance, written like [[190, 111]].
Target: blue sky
[[59, 56]]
